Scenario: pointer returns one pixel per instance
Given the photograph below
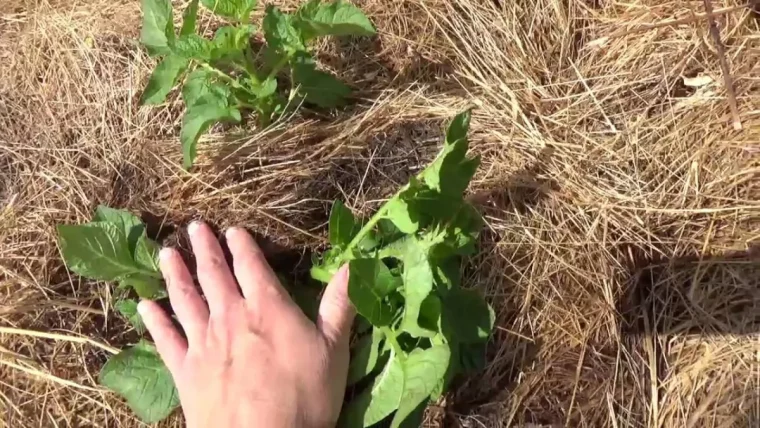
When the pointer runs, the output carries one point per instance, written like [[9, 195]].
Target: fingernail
[[230, 231], [343, 271], [142, 308], [193, 227], [165, 253]]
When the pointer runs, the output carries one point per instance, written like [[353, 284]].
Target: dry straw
[[622, 206]]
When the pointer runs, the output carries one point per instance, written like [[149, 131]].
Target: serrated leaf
[[128, 309], [239, 10], [338, 18], [98, 250], [140, 377], [423, 371], [198, 119], [466, 317], [378, 401], [280, 32], [202, 84], [193, 46], [162, 79], [342, 225], [316, 86], [364, 356], [189, 17], [369, 282], [157, 33]]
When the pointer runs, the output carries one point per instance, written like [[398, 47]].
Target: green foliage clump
[[224, 76], [115, 247], [404, 280], [417, 327]]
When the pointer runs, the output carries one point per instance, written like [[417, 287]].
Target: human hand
[[250, 360]]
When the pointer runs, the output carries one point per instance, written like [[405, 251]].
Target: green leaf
[[466, 317], [317, 87], [364, 357], [459, 127], [239, 10], [378, 401], [339, 18], [146, 253], [202, 84], [98, 250], [423, 370], [281, 33], [145, 285], [157, 33], [452, 171], [198, 119], [139, 375], [129, 224], [342, 226], [193, 46], [162, 79], [230, 42], [128, 309], [418, 283], [189, 17], [406, 210], [416, 418], [266, 88], [369, 282]]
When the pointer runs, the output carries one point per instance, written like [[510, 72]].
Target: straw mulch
[[623, 207]]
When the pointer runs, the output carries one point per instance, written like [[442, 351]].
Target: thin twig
[[56, 336], [727, 79]]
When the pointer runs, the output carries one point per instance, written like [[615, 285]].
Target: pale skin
[[249, 356]]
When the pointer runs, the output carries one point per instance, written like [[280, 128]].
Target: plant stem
[[391, 336], [277, 67], [224, 76]]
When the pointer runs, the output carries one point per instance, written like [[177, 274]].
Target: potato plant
[[224, 76], [417, 327], [421, 328]]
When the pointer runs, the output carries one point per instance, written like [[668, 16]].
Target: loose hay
[[623, 218]]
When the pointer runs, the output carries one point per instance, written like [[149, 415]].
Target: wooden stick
[[728, 81]]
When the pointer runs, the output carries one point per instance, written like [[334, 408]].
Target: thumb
[[336, 313]]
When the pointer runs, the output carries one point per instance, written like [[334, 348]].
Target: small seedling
[[224, 76], [416, 330]]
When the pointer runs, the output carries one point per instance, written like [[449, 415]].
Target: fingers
[[256, 278], [191, 310], [214, 275], [170, 344], [336, 313]]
